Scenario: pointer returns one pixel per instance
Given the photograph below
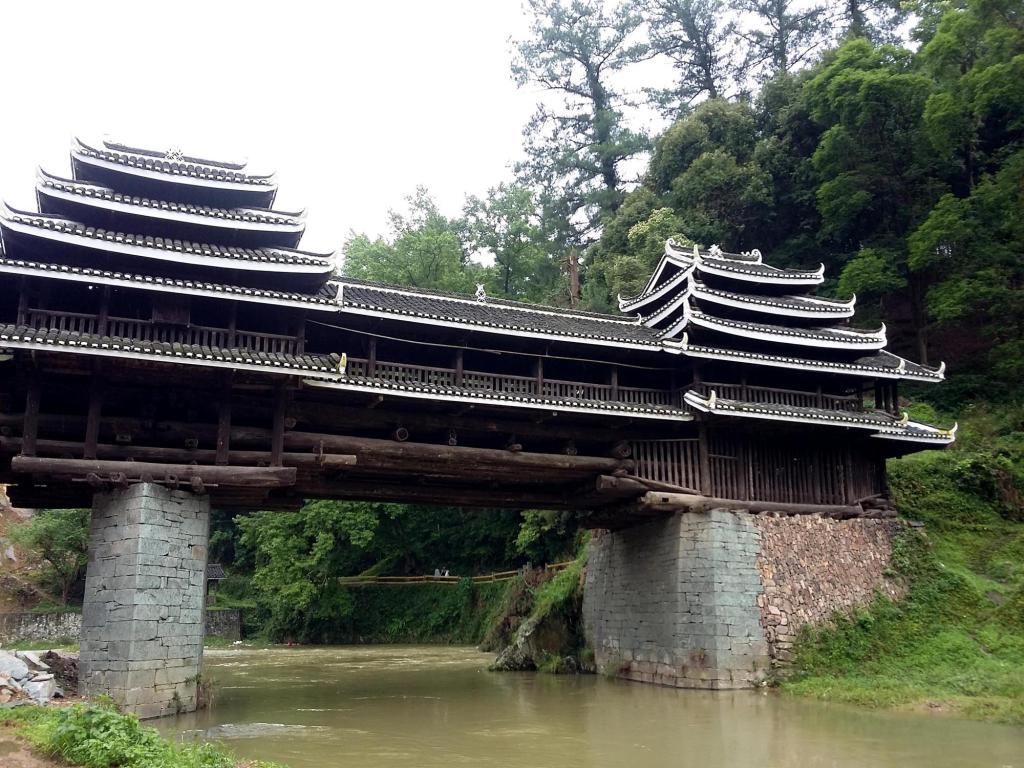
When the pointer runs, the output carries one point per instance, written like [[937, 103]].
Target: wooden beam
[[660, 501], [538, 375], [459, 367], [23, 290], [613, 381], [248, 477], [104, 313], [371, 358], [704, 452], [224, 424]]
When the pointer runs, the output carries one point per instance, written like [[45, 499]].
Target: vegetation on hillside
[[956, 641]]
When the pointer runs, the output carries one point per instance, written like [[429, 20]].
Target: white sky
[[354, 104]]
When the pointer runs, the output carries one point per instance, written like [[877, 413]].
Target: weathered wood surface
[[255, 477]]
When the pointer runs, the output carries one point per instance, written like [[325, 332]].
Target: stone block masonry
[[142, 615], [712, 600], [66, 626], [675, 602]]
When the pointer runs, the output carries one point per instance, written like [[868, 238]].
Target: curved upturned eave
[[84, 153], [902, 429], [233, 219], [636, 304], [827, 338], [781, 306], [759, 273], [900, 372], [184, 253]]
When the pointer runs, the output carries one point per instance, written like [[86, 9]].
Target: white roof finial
[[481, 292]]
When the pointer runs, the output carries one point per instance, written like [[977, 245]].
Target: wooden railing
[[777, 396], [508, 384], [147, 330]]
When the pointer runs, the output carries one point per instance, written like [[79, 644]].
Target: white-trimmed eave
[[168, 254], [683, 347], [837, 339], [269, 185], [156, 212], [764, 274], [633, 305], [897, 430], [126, 350], [165, 285], [425, 392], [830, 311], [504, 330], [663, 314], [670, 256]]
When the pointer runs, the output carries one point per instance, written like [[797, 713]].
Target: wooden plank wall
[[763, 469]]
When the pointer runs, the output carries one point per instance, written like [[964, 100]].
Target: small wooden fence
[[487, 578]]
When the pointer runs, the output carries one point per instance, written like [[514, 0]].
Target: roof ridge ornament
[[715, 252], [174, 153], [754, 255], [904, 419], [481, 293]]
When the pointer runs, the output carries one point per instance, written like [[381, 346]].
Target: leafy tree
[[507, 225], [577, 142], [426, 250], [875, 20], [60, 537], [781, 35], [698, 38]]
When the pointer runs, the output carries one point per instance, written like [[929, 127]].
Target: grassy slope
[[956, 642]]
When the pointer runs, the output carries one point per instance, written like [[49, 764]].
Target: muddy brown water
[[427, 706]]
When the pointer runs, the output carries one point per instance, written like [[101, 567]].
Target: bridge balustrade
[[779, 396]]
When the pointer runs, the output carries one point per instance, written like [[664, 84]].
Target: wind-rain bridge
[[165, 347]]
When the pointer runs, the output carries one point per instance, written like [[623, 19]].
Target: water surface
[[398, 706]]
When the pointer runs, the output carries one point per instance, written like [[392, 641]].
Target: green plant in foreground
[[98, 736]]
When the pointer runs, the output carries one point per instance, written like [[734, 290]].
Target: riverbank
[[96, 735], [955, 643]]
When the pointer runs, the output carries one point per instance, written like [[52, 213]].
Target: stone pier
[[142, 617], [713, 600]]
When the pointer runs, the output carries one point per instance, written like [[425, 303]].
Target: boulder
[[13, 666], [41, 691], [32, 659]]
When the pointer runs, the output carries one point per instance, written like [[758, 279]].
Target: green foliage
[[98, 736], [60, 538], [423, 613], [957, 637]]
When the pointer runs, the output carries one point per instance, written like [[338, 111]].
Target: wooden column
[[92, 419], [233, 325], [538, 375], [277, 433], [300, 334], [23, 289], [371, 359], [458, 367], [224, 424], [30, 426], [705, 459], [613, 381], [103, 316]]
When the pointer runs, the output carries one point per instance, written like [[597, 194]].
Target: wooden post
[[538, 374], [705, 459], [224, 424], [821, 397], [30, 427], [23, 291], [300, 334], [92, 420], [613, 381], [371, 359], [103, 317], [233, 325], [277, 433], [458, 367]]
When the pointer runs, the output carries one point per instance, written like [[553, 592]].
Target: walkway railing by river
[[487, 578]]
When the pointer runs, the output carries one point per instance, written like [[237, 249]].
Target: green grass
[[956, 641], [98, 736]]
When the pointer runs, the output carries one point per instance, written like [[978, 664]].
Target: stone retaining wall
[[711, 600], [812, 567], [67, 626]]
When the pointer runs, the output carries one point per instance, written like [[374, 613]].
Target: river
[[426, 706]]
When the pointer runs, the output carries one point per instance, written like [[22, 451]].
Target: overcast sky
[[354, 104]]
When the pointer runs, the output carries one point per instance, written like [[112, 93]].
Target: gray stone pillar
[[142, 617], [675, 602]]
